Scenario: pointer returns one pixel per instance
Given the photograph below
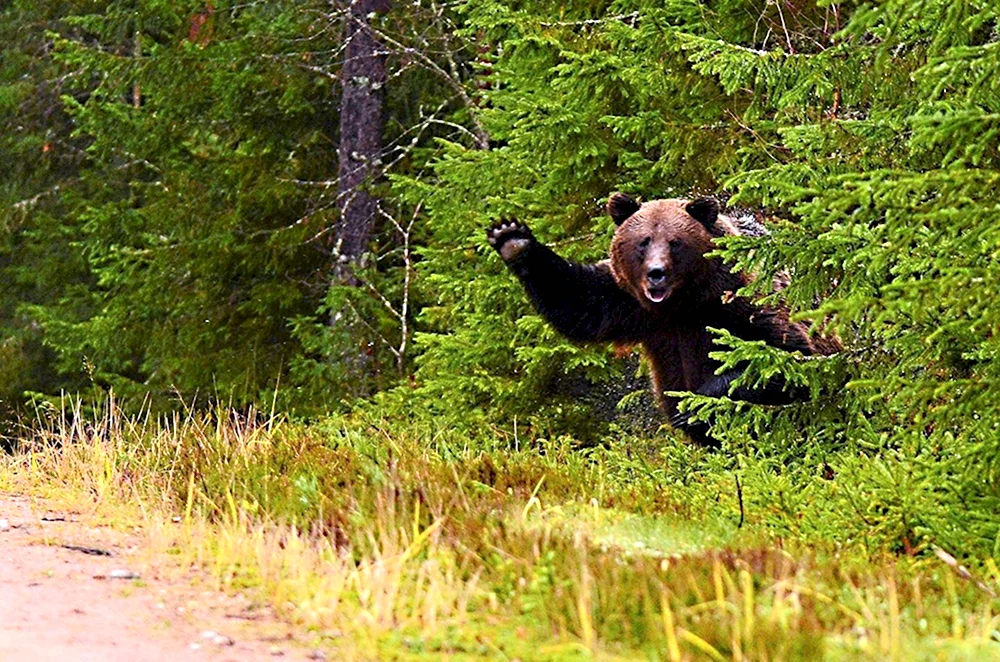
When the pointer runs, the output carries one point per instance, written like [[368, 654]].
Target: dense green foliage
[[868, 134], [169, 225], [165, 222]]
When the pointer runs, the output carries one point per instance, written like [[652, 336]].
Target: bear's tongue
[[658, 294]]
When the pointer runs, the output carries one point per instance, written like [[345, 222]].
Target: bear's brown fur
[[658, 289]]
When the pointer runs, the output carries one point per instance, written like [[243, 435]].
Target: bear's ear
[[621, 206], [704, 210]]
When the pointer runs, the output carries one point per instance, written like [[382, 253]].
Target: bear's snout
[[656, 288]]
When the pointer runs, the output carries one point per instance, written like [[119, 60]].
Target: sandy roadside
[[64, 605]]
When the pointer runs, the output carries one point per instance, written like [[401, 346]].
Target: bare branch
[[482, 138]]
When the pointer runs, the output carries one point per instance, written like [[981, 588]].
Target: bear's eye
[[645, 242], [675, 243]]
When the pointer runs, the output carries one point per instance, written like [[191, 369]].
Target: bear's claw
[[699, 432], [509, 238]]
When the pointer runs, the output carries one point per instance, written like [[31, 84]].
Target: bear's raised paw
[[510, 239]]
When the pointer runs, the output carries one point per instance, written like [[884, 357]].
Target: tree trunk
[[362, 119]]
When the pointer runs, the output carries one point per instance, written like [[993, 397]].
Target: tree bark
[[362, 119]]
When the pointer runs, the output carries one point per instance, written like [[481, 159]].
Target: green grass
[[387, 538]]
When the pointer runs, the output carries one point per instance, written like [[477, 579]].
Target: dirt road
[[62, 600]]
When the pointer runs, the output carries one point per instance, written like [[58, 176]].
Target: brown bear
[[658, 289]]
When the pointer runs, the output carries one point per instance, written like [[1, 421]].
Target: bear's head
[[660, 245]]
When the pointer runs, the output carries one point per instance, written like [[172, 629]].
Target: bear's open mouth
[[658, 293]]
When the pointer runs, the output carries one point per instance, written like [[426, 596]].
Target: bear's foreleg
[[582, 301], [774, 392]]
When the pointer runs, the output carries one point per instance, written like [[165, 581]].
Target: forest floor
[[377, 538], [63, 599]]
